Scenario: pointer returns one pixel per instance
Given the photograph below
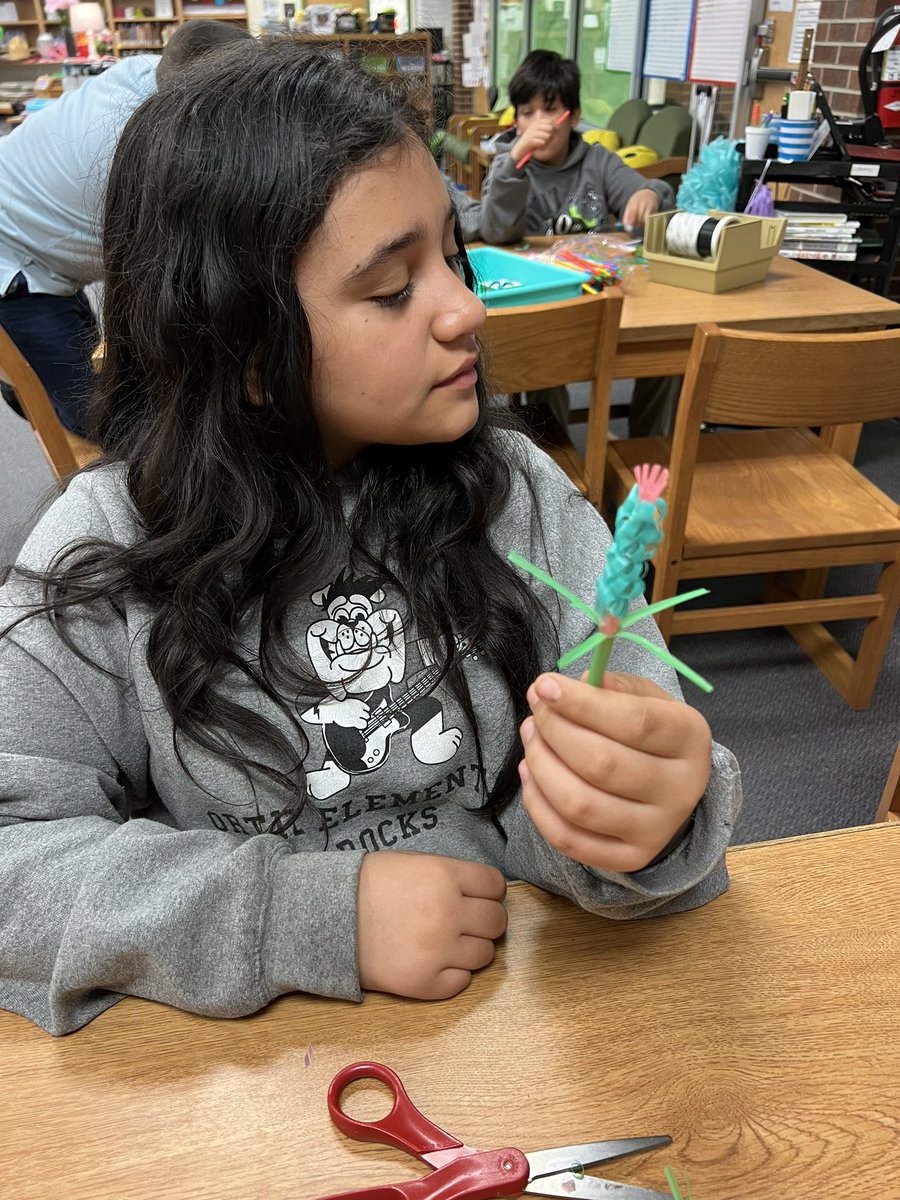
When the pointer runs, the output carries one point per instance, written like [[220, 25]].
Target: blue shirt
[[53, 173]]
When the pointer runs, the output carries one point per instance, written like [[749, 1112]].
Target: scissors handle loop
[[404, 1126], [480, 1176]]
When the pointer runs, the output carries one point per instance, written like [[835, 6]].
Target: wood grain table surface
[[761, 1032], [658, 321]]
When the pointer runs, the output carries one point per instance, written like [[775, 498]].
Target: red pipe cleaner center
[[609, 625], [651, 481]]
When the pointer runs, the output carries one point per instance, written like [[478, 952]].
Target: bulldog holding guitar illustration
[[358, 650]]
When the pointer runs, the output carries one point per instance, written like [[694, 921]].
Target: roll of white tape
[[721, 225], [682, 233], [695, 235]]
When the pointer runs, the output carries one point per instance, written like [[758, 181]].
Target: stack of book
[[823, 235]]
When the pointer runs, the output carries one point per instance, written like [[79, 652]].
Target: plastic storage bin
[[505, 279]]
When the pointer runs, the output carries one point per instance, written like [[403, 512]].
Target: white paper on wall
[[623, 27], [471, 74], [806, 16], [721, 33], [669, 26]]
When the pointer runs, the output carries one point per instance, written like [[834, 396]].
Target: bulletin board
[[782, 19]]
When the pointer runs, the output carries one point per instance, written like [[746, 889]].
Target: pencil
[[559, 120]]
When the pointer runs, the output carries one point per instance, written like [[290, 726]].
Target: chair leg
[[810, 584], [890, 800], [665, 584], [803, 585], [875, 639], [855, 679]]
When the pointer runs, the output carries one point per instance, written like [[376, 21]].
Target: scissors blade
[[564, 1158], [588, 1188]]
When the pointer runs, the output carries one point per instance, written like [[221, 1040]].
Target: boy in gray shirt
[[568, 186]]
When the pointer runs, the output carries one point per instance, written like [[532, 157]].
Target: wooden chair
[[664, 167], [545, 345], [466, 131], [66, 452], [889, 808], [777, 500]]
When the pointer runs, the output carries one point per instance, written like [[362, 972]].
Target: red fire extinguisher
[[879, 77], [888, 106]]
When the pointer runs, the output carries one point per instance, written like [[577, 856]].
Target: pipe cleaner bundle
[[608, 260], [713, 181], [638, 532]]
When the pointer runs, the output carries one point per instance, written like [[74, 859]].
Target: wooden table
[[658, 321], [761, 1032], [658, 324]]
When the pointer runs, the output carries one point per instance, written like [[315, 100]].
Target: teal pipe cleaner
[[638, 533]]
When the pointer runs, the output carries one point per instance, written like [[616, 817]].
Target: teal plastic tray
[[505, 279]]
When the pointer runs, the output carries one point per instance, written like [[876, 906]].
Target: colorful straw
[[637, 535], [559, 120]]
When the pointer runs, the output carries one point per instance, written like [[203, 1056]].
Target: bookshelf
[[146, 27], [396, 55], [137, 28], [866, 191], [25, 17]]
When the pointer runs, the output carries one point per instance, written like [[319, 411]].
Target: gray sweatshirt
[[120, 874], [576, 197]]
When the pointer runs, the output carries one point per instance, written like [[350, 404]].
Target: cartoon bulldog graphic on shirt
[[358, 650]]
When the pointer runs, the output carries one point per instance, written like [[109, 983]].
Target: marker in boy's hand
[[426, 922], [536, 136], [611, 775]]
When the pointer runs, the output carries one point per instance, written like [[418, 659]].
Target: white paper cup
[[756, 141]]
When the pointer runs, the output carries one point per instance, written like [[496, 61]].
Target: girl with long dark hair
[[266, 675]]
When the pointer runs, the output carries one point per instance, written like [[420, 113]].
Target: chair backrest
[[668, 132], [64, 451], [737, 377], [544, 345], [796, 380], [628, 118]]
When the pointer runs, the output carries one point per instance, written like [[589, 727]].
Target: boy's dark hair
[[206, 400], [546, 74], [193, 40]]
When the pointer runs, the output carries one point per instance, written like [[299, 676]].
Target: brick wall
[[844, 28], [462, 18]]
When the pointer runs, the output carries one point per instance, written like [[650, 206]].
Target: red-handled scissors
[[461, 1173]]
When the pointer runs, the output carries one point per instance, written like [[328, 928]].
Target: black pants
[[57, 335], [652, 411]]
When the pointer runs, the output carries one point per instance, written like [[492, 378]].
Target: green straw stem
[[599, 660]]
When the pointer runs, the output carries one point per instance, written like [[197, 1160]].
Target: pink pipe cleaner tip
[[651, 481]]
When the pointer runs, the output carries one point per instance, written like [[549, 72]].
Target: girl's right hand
[[426, 922]]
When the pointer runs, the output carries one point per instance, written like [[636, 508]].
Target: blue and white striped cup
[[795, 139]]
